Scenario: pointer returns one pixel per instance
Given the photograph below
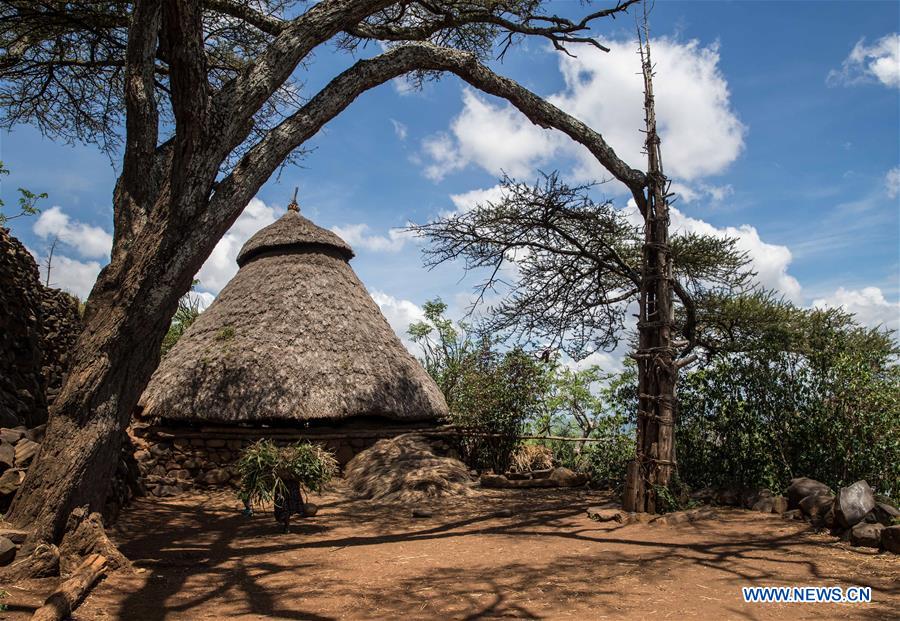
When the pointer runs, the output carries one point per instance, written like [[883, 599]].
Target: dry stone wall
[[171, 465], [38, 329]]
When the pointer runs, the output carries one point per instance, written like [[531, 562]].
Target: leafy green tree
[[27, 202], [811, 394], [490, 393], [185, 315]]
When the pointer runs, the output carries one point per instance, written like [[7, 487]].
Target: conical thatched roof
[[293, 337]]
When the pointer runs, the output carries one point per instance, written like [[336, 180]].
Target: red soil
[[197, 557]]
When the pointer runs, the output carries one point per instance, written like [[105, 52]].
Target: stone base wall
[[38, 329], [170, 464]]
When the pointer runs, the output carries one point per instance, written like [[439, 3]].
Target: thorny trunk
[[657, 372], [170, 211], [126, 317]]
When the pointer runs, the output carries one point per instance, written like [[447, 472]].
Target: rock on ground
[[890, 539], [815, 506], [866, 535], [853, 503], [802, 487], [7, 551]]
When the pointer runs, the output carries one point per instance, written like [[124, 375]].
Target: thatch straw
[[406, 469], [293, 337]]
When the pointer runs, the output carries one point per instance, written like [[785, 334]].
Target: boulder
[[815, 506], [853, 503], [764, 505], [752, 497], [217, 476], [567, 478], [792, 514], [866, 535], [10, 481], [802, 487], [890, 539], [159, 450], [16, 536], [7, 455], [600, 514], [7, 551], [883, 514], [704, 495], [37, 433], [142, 456], [728, 496], [11, 435], [494, 480], [25, 452], [779, 504]]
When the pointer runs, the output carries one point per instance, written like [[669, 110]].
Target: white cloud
[[88, 241], [441, 150], [690, 193], [770, 261], [399, 314], [879, 62], [76, 277], [868, 305], [892, 182], [700, 132], [203, 298], [357, 236], [471, 199], [399, 129], [221, 266]]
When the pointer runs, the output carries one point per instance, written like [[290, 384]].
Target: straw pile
[[406, 469]]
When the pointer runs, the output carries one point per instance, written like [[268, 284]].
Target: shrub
[[265, 468], [825, 404], [490, 393]]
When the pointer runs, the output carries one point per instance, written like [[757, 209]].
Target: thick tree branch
[[261, 161]]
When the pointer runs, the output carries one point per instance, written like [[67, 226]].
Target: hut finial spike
[[294, 206]]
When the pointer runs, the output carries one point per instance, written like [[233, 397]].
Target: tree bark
[[170, 212], [657, 373]]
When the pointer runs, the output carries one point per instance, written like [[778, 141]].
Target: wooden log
[[70, 593], [360, 435]]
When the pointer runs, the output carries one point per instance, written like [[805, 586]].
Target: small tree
[[27, 202], [489, 393], [185, 315]]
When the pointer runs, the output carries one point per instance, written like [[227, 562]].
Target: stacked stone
[[22, 385], [854, 514], [38, 330], [60, 326], [168, 468], [18, 446]]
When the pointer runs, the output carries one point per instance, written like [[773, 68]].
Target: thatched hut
[[292, 347]]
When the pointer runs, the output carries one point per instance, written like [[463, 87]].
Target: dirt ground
[[197, 557]]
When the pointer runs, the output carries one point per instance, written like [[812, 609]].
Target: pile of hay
[[406, 469]]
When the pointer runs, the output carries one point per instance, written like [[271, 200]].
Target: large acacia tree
[[203, 89]]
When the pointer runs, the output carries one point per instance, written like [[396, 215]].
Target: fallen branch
[[70, 593]]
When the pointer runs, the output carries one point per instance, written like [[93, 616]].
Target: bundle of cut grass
[[406, 469]]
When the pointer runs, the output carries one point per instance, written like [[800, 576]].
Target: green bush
[[489, 392], [495, 396], [264, 468], [825, 403]]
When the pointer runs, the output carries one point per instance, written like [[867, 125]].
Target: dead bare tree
[[656, 353], [209, 115], [48, 262]]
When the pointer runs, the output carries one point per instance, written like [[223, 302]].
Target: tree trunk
[[655, 456], [126, 318]]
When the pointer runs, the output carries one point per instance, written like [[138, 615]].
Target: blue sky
[[780, 122]]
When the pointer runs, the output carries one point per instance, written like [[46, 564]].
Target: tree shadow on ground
[[205, 556]]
